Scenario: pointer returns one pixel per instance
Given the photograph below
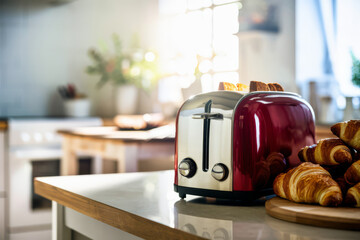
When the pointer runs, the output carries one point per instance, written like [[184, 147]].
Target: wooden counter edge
[[117, 218], [105, 137], [75, 134], [3, 126]]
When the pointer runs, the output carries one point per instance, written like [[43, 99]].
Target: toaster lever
[[208, 116]]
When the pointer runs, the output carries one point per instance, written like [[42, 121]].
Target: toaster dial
[[187, 167], [220, 172]]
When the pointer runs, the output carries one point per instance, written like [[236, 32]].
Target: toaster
[[224, 139]]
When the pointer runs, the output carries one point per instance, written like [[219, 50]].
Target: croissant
[[353, 196], [309, 183], [329, 151], [349, 132], [352, 174]]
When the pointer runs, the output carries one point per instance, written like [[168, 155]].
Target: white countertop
[[150, 196]]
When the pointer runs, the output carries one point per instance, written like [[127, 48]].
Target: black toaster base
[[236, 195]]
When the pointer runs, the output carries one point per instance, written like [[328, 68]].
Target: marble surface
[[151, 196]]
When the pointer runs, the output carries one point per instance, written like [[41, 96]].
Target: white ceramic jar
[[77, 107]]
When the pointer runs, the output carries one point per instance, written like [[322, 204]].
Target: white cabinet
[[2, 163], [2, 218], [2, 185]]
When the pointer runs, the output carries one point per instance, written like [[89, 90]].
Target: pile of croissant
[[330, 172]]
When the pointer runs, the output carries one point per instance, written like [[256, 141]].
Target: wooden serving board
[[315, 215]]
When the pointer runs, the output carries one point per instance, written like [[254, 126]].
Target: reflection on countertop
[[223, 220]]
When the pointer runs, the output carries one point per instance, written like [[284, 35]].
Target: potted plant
[[355, 70], [127, 70], [349, 110]]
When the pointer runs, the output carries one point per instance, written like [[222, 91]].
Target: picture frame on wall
[[259, 15]]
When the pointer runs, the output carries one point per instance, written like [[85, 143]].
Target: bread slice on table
[[349, 132]]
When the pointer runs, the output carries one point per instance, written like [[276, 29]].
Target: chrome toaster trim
[[190, 139]]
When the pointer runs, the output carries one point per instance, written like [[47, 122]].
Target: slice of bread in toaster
[[275, 87], [258, 86], [242, 87], [227, 86]]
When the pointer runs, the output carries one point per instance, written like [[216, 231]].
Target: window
[[199, 41], [324, 60]]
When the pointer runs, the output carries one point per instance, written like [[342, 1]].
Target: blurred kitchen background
[[304, 45], [66, 64]]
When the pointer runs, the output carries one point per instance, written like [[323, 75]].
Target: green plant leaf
[[355, 78], [122, 67]]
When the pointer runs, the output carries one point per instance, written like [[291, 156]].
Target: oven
[[2, 184], [34, 150], [26, 209]]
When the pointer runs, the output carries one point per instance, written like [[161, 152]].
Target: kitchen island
[[144, 205], [125, 147]]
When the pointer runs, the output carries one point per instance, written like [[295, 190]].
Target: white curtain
[[339, 22], [327, 15]]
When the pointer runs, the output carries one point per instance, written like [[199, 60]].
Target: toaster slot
[[207, 116], [206, 138]]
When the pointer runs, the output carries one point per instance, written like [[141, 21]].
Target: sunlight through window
[[200, 42]]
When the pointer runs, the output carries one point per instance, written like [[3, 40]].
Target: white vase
[[126, 99], [77, 107], [327, 110], [349, 109]]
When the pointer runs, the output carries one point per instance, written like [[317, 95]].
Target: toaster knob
[[220, 172], [187, 167]]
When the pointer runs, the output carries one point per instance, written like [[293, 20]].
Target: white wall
[[310, 47], [44, 45], [270, 57]]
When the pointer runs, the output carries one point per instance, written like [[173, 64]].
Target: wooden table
[[323, 131], [133, 205], [126, 147]]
